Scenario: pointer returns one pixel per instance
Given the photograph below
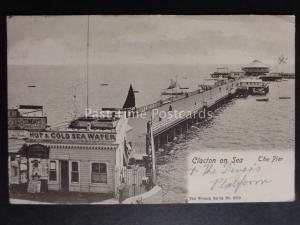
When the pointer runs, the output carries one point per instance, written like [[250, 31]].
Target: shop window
[[52, 175], [99, 173], [74, 172]]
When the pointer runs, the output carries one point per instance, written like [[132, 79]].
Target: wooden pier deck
[[193, 103]]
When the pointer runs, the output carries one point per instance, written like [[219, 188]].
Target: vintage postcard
[[151, 109]]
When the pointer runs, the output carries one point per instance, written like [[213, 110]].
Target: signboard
[[71, 136], [27, 123], [103, 124], [13, 113]]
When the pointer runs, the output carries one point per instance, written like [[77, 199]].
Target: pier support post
[[158, 142], [171, 135]]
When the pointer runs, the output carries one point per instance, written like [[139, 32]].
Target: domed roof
[[256, 64]]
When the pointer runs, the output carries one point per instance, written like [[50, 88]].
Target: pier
[[189, 106], [127, 142]]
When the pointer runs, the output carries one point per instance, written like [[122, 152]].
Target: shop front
[[29, 164], [77, 161], [82, 168]]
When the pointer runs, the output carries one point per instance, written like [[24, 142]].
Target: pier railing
[[149, 107], [209, 98], [177, 98], [171, 121], [166, 101]]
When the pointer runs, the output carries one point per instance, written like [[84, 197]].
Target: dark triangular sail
[[130, 100]]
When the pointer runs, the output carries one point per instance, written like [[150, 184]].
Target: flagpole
[[172, 94], [175, 86], [87, 63]]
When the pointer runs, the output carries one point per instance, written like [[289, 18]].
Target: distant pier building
[[222, 72], [256, 68]]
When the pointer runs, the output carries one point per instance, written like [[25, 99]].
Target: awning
[[35, 151]]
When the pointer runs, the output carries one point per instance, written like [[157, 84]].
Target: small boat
[[136, 91], [104, 84], [31, 86], [259, 91], [172, 89], [284, 97], [262, 99]]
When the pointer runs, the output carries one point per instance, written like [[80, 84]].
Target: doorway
[[64, 175]]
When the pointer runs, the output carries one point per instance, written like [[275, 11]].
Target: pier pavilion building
[[256, 68]]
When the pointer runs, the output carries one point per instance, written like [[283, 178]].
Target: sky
[[152, 39]]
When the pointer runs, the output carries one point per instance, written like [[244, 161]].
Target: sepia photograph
[[151, 109]]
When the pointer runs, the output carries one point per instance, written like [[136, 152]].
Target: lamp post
[[153, 151]]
